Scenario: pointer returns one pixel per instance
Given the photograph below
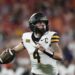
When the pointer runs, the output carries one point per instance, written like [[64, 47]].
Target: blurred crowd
[[14, 15]]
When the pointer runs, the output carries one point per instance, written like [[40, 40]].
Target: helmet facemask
[[42, 30]]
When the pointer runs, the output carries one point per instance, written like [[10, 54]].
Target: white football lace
[[1, 60], [10, 52]]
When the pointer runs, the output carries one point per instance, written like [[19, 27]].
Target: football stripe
[[54, 40], [55, 37]]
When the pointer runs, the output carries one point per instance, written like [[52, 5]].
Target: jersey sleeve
[[55, 38]]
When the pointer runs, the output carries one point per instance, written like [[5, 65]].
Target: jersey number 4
[[36, 55]]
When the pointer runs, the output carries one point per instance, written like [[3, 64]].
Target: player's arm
[[57, 54], [8, 55], [19, 47]]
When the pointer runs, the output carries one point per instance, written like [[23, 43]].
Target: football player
[[42, 46]]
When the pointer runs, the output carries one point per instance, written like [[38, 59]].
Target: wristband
[[50, 55]]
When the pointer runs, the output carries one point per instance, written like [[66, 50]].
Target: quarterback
[[42, 46]]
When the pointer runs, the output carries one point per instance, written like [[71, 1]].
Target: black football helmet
[[37, 17]]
